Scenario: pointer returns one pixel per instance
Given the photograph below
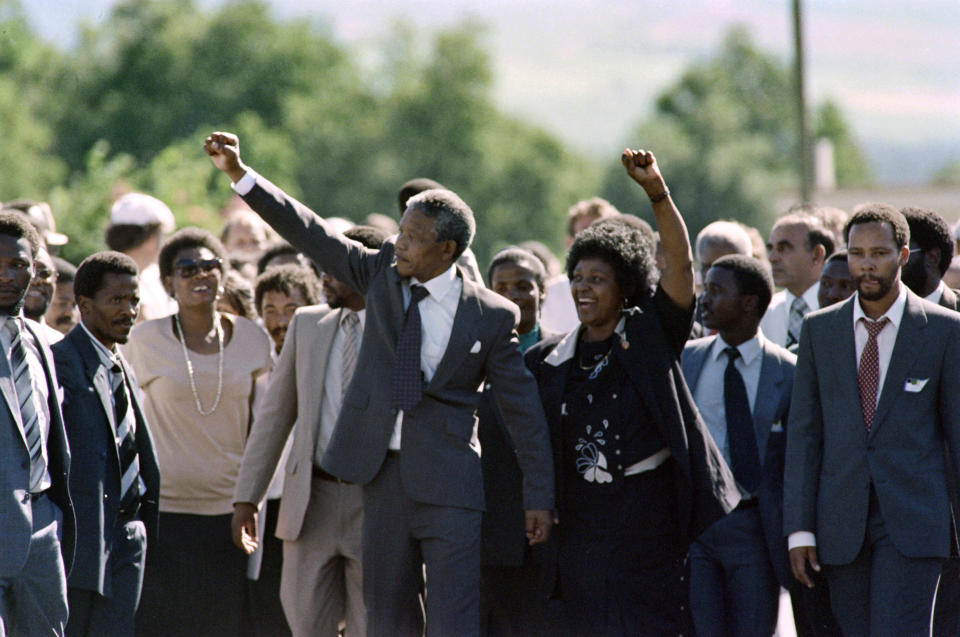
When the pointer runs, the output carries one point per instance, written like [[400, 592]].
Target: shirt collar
[[809, 297], [894, 313], [749, 349], [936, 295], [439, 285], [107, 357]]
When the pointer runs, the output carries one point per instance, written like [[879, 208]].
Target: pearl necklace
[[186, 358]]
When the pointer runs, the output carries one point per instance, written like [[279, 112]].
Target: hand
[[800, 556], [224, 150], [244, 526], [642, 166], [538, 524]]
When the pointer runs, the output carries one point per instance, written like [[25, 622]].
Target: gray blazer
[[831, 460], [440, 462], [16, 518], [294, 396], [770, 411]]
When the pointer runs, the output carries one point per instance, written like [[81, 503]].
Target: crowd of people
[[310, 427]]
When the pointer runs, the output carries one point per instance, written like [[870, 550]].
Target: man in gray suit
[[407, 429], [738, 564], [875, 399], [36, 516]]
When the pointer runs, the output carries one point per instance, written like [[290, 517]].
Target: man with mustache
[[278, 293], [876, 399], [319, 517], [117, 482]]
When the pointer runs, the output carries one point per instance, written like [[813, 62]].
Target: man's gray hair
[[452, 218], [726, 234]]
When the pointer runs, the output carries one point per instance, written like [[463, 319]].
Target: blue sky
[[588, 70]]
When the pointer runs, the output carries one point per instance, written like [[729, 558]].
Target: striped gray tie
[[351, 339], [131, 486], [798, 309], [28, 411]]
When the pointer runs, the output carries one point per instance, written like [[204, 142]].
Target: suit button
[[26, 497], [106, 497]]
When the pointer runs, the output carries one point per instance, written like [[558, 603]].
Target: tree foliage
[[725, 135]]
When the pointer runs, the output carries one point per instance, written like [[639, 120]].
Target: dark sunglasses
[[188, 268]]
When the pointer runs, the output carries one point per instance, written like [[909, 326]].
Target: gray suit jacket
[[294, 397], [770, 410], [832, 460], [16, 519], [440, 462]]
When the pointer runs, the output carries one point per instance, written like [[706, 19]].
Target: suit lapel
[[768, 398], [844, 362], [905, 350], [320, 337], [9, 390], [692, 362], [462, 335]]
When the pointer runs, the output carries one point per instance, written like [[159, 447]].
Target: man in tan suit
[[320, 517]]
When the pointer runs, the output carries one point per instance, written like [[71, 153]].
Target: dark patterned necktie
[[28, 412], [126, 442], [868, 373], [407, 377], [740, 435], [798, 309], [351, 342]]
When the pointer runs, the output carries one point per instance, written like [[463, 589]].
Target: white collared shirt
[[38, 380], [109, 358], [937, 294], [437, 312], [333, 385], [709, 391], [777, 317], [887, 336]]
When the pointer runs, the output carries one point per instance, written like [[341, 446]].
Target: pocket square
[[776, 427], [913, 385], [476, 348]]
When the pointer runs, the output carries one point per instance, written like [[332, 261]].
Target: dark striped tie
[[126, 443], [28, 411]]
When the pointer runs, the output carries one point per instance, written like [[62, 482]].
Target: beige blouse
[[199, 456]]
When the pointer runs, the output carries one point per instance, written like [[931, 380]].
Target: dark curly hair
[[929, 230], [89, 276], [16, 225], [627, 249], [184, 240], [880, 213], [286, 279]]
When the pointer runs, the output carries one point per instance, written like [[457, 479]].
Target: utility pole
[[806, 168]]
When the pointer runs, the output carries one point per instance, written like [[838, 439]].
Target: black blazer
[[503, 533], [95, 479], [652, 340]]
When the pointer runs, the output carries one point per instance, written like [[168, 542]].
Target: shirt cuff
[[800, 538], [246, 183]]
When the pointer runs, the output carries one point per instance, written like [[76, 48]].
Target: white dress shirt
[[437, 311], [38, 380], [886, 339], [777, 317], [937, 294], [709, 392], [333, 385]]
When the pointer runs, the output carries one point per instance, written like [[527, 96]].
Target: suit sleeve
[[347, 260], [804, 442], [517, 397], [950, 399], [274, 418]]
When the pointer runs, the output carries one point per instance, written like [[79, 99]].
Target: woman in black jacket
[[637, 476]]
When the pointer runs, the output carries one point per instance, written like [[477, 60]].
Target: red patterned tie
[[868, 374]]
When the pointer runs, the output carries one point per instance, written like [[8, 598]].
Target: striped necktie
[[28, 412], [351, 339], [130, 482], [798, 309]]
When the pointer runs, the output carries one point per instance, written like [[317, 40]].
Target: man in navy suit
[[876, 400], [116, 481], [738, 564], [36, 516]]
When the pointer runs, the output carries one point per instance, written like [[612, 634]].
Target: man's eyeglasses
[[188, 268]]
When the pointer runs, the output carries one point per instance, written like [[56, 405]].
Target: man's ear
[[449, 249], [931, 259], [750, 304], [819, 254]]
